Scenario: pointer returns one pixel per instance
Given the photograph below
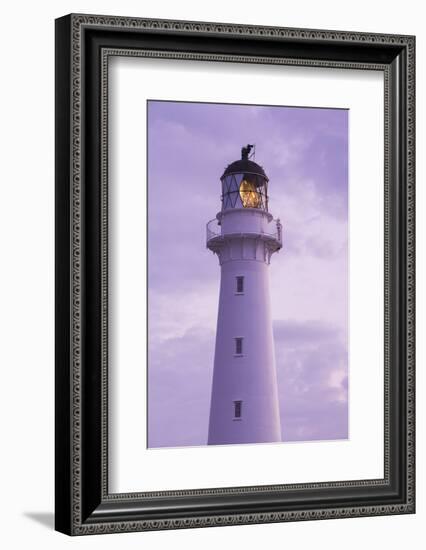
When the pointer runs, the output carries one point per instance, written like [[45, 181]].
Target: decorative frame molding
[[84, 44]]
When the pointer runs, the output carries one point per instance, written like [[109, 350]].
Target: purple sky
[[304, 152]]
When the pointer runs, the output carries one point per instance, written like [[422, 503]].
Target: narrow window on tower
[[238, 406], [240, 285], [238, 346]]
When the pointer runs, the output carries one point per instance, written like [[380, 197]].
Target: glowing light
[[248, 194]]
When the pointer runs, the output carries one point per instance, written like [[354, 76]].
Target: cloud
[[312, 370], [308, 332], [179, 384]]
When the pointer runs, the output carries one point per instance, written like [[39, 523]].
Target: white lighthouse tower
[[244, 401]]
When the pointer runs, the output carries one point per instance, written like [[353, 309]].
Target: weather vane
[[245, 151]]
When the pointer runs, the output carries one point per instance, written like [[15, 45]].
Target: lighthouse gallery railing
[[213, 230]]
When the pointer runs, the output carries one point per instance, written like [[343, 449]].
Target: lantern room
[[244, 184]]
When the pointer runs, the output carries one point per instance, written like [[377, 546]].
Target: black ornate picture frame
[[84, 43]]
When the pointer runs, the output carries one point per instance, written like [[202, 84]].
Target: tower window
[[240, 285], [238, 405], [238, 346]]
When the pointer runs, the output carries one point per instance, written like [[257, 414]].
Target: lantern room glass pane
[[249, 195], [244, 190], [234, 183]]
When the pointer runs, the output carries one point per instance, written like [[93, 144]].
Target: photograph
[[247, 256]]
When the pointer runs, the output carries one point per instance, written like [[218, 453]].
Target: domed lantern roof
[[245, 165], [244, 184]]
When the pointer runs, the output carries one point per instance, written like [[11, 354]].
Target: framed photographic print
[[234, 274]]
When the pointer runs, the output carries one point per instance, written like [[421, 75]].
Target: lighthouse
[[244, 404]]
